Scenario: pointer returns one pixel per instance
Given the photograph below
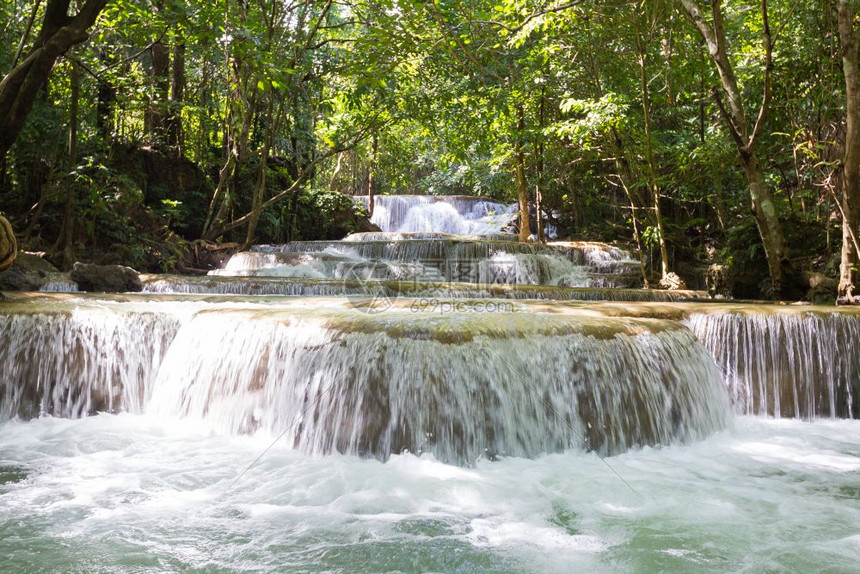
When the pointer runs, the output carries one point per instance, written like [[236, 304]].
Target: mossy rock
[[8, 244]]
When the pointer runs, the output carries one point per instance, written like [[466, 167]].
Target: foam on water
[[138, 493], [439, 257], [461, 384]]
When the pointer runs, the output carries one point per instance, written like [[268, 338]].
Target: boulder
[[719, 280], [205, 256], [28, 273], [822, 289], [105, 278], [672, 282], [8, 244]]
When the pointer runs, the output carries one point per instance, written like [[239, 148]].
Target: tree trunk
[[259, 192], [745, 134], [768, 224], [105, 98], [75, 81], [653, 187], [177, 95], [65, 240], [371, 179], [158, 103], [19, 87], [625, 175], [540, 168], [520, 173], [848, 273], [8, 245]]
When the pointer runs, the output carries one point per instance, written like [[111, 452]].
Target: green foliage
[[440, 88], [322, 214]]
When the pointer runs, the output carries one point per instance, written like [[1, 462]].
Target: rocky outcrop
[[719, 280], [105, 278], [28, 273], [8, 245], [672, 282], [204, 256], [822, 288]]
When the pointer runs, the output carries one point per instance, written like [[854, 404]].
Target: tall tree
[[745, 134], [848, 39], [58, 33]]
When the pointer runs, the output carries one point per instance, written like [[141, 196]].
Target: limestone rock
[[719, 282], [28, 273], [672, 282], [105, 278]]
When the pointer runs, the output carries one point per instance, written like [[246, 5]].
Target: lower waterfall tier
[[786, 364], [519, 378], [460, 385]]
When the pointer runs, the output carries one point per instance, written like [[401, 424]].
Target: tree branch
[[728, 119], [768, 67], [695, 13]]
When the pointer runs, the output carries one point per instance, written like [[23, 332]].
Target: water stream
[[416, 416]]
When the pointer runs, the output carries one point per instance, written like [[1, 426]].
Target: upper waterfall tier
[[298, 286], [456, 214], [442, 259]]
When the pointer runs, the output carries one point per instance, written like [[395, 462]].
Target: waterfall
[[460, 386], [377, 388], [426, 239], [460, 215], [80, 361], [786, 364], [262, 285], [438, 258]]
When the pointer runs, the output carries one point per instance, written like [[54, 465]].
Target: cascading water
[[174, 479], [458, 385], [786, 364], [355, 284], [79, 361], [441, 239], [459, 215], [430, 384], [241, 430], [438, 259]]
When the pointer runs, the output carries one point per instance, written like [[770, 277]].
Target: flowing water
[[136, 493], [460, 215], [416, 401], [431, 240]]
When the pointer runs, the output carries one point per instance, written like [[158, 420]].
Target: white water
[[205, 387], [440, 214], [440, 259], [131, 493], [461, 385], [786, 364]]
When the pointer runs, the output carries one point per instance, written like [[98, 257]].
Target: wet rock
[[204, 256], [28, 273], [672, 282], [105, 278], [822, 289], [719, 281]]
